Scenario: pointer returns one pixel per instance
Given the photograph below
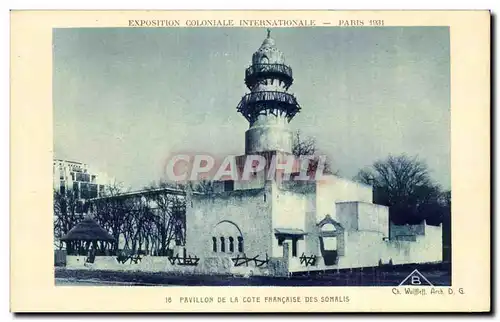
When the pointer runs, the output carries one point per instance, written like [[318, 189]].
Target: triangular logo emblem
[[416, 279]]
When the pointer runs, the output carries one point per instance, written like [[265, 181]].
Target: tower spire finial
[[268, 33]]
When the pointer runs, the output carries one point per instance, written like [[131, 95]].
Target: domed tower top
[[268, 53], [268, 62]]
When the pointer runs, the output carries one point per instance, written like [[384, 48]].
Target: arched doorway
[[331, 240]]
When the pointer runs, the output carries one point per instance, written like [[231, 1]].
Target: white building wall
[[347, 215], [249, 210], [373, 217], [406, 230], [367, 248], [335, 189], [289, 211], [256, 181]]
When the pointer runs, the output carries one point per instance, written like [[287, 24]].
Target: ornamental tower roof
[[268, 53]]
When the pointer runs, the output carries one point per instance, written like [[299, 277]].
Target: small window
[[240, 244], [75, 187], [231, 244], [280, 241], [294, 247], [214, 244], [222, 244], [228, 185]]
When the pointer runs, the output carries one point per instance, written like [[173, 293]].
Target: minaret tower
[[268, 107]]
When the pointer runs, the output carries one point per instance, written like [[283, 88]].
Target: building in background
[[75, 176], [74, 183]]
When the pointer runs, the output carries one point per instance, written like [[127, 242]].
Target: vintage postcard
[[250, 161]]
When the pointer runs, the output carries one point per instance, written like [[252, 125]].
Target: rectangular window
[[294, 247], [84, 191], [231, 244], [76, 190], [92, 190], [84, 177], [240, 244], [222, 244], [228, 185]]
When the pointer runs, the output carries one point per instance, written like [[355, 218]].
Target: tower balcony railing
[[257, 71], [255, 103], [268, 96]]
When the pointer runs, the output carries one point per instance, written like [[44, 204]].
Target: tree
[[134, 222], [306, 146], [403, 183], [148, 220], [112, 212], [203, 186], [168, 216], [303, 146], [67, 213]]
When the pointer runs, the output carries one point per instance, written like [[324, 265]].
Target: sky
[[126, 99]]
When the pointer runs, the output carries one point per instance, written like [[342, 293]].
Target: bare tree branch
[[307, 147], [404, 184]]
